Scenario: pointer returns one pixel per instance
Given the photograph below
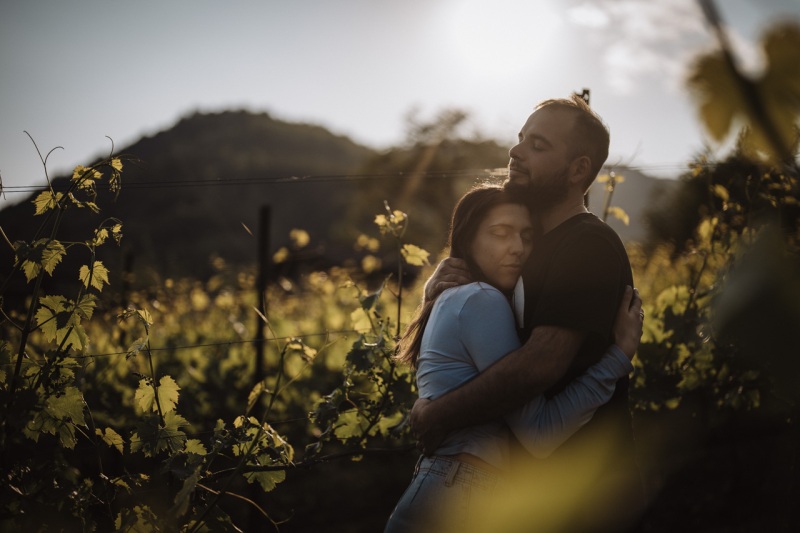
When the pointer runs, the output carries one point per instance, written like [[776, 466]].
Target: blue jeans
[[439, 495]]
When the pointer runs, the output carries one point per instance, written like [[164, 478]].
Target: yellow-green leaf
[[370, 263], [619, 214], [116, 164], [254, 395], [183, 497], [350, 424], [717, 93], [361, 322], [281, 255], [51, 255], [299, 237], [112, 438], [59, 417], [85, 307], [100, 236], [45, 201], [137, 346], [414, 255], [85, 177], [722, 192], [144, 316], [675, 297], [195, 446], [267, 480], [167, 395], [97, 276]]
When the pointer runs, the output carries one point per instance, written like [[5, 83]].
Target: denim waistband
[[457, 472]]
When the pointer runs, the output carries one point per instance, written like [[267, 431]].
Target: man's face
[[540, 159]]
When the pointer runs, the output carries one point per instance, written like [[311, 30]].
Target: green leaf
[[144, 317], [152, 438], [58, 417], [254, 395], [721, 192], [137, 346], [51, 255], [86, 306], [300, 237], [196, 447], [268, 480], [60, 321], [167, 395], [100, 236], [112, 438], [30, 269], [45, 253], [170, 436], [369, 301], [183, 497], [139, 519], [675, 298], [619, 214], [98, 275], [350, 424], [46, 201], [85, 177], [360, 320], [414, 255], [718, 94], [49, 308]]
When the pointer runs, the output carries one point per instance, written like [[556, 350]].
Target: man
[[572, 288]]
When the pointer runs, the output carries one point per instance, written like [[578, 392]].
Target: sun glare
[[489, 37]]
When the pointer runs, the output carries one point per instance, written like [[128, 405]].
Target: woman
[[468, 328]]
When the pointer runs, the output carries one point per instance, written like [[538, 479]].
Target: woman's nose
[[517, 246]]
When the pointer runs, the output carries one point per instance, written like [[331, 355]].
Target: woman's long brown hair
[[468, 214]]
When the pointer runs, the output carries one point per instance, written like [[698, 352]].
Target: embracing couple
[[523, 347]]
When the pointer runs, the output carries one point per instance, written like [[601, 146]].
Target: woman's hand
[[628, 324], [451, 272]]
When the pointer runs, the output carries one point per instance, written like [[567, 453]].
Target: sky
[[73, 73]]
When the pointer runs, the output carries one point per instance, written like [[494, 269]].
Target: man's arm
[[502, 387], [450, 272]]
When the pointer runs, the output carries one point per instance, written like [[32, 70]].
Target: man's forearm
[[510, 382]]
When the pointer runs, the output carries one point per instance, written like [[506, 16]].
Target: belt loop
[[419, 463], [451, 475]]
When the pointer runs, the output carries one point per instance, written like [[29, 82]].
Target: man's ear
[[579, 170]]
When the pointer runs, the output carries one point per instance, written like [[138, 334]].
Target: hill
[[198, 190], [200, 182], [635, 195]]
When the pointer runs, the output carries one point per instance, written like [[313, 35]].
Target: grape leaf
[[414, 255], [98, 275], [268, 480], [45, 201], [112, 438], [167, 395]]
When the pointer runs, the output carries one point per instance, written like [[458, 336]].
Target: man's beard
[[548, 193]]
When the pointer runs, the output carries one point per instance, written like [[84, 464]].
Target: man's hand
[[429, 436], [628, 324], [451, 272]]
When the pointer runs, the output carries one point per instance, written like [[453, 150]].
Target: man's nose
[[513, 152]]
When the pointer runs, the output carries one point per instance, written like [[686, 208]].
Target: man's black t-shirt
[[575, 279]]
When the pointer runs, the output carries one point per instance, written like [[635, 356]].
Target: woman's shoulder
[[477, 293]]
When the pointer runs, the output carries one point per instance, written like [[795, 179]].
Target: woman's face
[[502, 244]]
